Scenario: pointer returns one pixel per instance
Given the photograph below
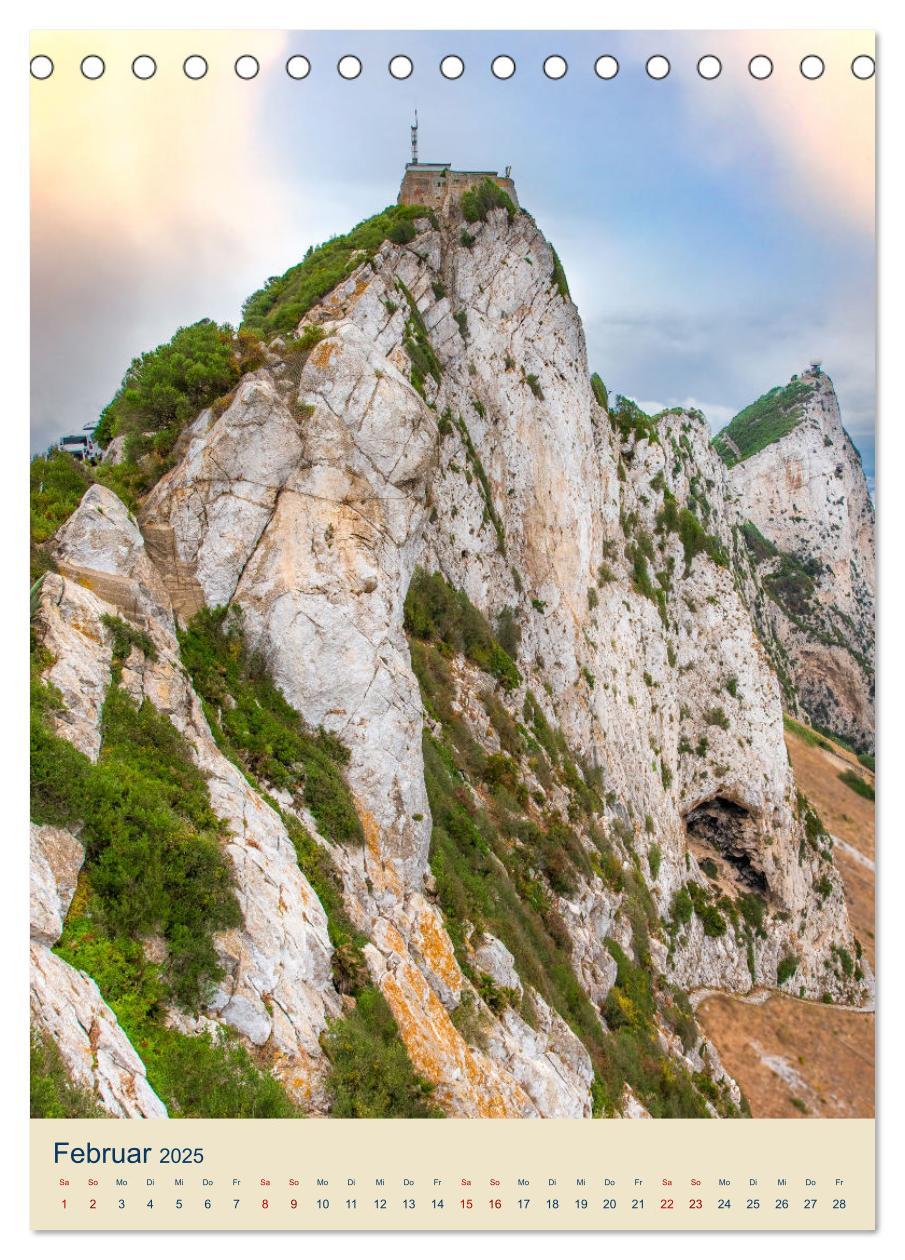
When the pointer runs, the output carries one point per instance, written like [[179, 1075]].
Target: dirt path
[[795, 1058], [849, 818]]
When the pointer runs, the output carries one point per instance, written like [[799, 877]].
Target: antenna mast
[[414, 131]]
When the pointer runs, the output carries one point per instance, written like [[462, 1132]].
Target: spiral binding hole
[[40, 67], [400, 66], [452, 67], [864, 67], [92, 67], [194, 67], [298, 67], [247, 67], [606, 67], [760, 67], [503, 67], [144, 67]]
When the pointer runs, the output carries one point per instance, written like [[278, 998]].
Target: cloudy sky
[[717, 235]]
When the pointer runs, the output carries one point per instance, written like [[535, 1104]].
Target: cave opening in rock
[[724, 829]]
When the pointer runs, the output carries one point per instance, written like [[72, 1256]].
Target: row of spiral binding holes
[[453, 67]]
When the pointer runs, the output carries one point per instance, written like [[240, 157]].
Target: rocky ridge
[[442, 420], [807, 495]]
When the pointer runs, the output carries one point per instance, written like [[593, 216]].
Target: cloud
[[149, 201]]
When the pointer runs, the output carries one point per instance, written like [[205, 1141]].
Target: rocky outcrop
[[56, 859], [66, 1004], [614, 545], [278, 989], [807, 495]]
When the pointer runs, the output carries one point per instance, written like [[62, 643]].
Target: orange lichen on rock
[[322, 353], [380, 872], [467, 1082], [435, 947]]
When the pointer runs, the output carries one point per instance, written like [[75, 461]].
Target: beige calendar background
[[461, 1175]]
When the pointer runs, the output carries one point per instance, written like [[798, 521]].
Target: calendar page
[[452, 630]]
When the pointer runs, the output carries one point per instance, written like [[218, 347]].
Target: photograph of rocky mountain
[[421, 727]]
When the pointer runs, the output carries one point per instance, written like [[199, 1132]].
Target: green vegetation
[[126, 637], [692, 534], [534, 385], [153, 845], [712, 920], [165, 388], [57, 483], [477, 202], [634, 1055], [259, 730], [716, 717], [559, 276], [760, 547], [806, 733], [787, 967], [279, 306], [54, 1095], [632, 423], [488, 880], [267, 738], [682, 907], [695, 899], [436, 612], [402, 232], [153, 855], [477, 469], [58, 771], [370, 1073], [858, 785], [417, 345], [599, 391], [207, 1075], [765, 421], [791, 584], [297, 350]]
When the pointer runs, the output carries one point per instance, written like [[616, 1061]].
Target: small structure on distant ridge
[[435, 183]]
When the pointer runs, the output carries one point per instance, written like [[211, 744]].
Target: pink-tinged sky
[[716, 234]]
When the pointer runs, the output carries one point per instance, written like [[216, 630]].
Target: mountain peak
[[769, 418], [466, 653], [799, 479]]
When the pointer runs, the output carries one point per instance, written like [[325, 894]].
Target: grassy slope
[[763, 422]]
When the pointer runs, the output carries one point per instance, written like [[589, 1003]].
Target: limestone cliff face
[[808, 496], [309, 500]]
